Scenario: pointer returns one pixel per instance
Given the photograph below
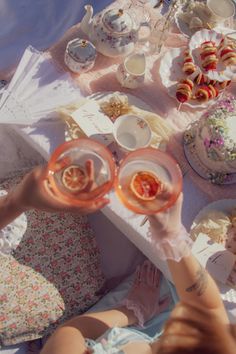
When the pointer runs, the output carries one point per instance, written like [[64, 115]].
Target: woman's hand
[[33, 192], [169, 236], [167, 224]]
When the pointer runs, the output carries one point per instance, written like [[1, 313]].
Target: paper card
[[214, 257], [94, 123]]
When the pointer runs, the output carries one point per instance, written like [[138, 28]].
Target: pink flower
[[63, 275], [13, 325], [20, 292], [22, 275], [30, 320], [207, 142], [38, 268], [14, 264], [45, 315], [54, 264], [69, 242], [3, 318], [9, 279], [46, 297], [17, 309], [77, 287], [35, 287], [78, 269], [46, 236], [3, 298], [30, 241]]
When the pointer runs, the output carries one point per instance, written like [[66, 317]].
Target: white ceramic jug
[[131, 73]]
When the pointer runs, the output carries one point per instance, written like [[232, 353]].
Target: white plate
[[223, 205], [171, 73], [228, 294], [182, 26], [221, 73]]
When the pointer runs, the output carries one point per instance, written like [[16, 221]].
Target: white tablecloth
[[45, 137]]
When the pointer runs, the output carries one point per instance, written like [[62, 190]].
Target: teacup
[[131, 132], [131, 73], [221, 10]]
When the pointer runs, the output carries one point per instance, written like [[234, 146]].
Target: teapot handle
[[145, 36]]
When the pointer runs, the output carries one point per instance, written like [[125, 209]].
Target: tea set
[[116, 33], [113, 33]]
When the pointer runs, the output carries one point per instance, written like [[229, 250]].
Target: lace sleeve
[[11, 235]]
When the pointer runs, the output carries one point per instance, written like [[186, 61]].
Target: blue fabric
[[153, 328], [37, 22], [114, 339]]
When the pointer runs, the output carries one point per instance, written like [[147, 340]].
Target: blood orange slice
[[74, 178], [145, 185]]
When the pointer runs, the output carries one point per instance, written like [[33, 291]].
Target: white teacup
[[131, 73], [221, 10], [131, 132]]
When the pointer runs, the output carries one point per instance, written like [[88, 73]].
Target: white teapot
[[114, 32]]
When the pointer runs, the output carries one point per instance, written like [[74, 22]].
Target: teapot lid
[[118, 21], [81, 50]]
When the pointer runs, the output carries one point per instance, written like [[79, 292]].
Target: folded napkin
[[36, 90], [161, 129]]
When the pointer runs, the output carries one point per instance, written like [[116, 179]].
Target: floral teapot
[[114, 32]]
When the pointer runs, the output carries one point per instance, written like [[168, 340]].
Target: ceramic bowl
[[158, 163], [131, 132], [76, 153], [80, 55]]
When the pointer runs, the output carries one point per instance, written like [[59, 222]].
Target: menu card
[[94, 123], [218, 261]]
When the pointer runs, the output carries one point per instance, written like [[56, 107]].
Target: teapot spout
[[86, 21]]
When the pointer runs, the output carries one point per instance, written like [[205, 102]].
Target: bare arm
[[9, 210], [33, 193], [69, 338], [195, 285]]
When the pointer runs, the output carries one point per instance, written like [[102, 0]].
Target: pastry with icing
[[210, 142]]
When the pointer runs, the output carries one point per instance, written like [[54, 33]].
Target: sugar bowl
[[80, 55]]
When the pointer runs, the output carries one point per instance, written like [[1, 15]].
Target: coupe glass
[[81, 171], [158, 164]]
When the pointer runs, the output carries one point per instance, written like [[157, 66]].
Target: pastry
[[184, 90], [222, 85], [206, 92], [189, 67], [213, 140], [208, 53], [228, 55]]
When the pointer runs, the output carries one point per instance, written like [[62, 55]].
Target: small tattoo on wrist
[[201, 282]]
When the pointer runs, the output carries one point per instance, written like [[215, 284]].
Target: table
[[45, 137]]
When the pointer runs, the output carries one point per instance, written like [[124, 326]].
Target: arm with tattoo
[[200, 285], [195, 285]]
